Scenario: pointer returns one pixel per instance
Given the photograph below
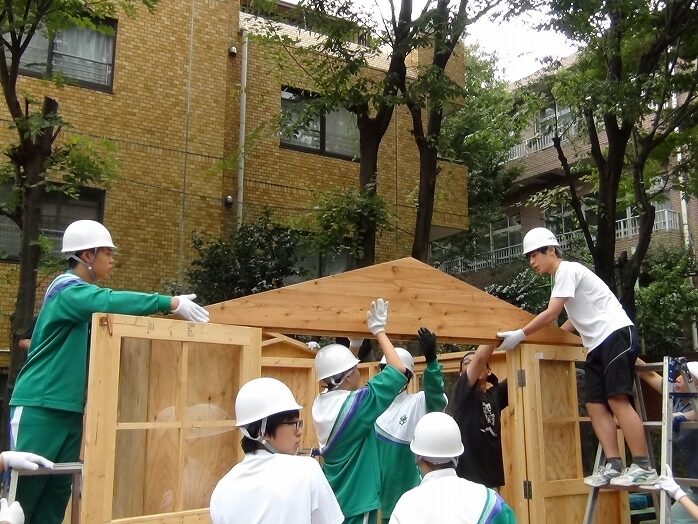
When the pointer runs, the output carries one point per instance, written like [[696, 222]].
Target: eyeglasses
[[298, 423]]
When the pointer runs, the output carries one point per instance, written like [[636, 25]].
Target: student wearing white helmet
[[48, 398], [271, 484], [395, 427], [442, 496], [344, 415], [612, 347]]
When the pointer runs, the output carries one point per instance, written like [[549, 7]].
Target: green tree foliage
[[341, 219], [480, 133], [524, 289], [667, 302], [633, 94], [257, 257], [336, 67]]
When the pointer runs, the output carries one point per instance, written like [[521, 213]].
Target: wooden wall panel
[[159, 426], [301, 381]]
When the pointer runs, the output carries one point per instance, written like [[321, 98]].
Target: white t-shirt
[[270, 488], [591, 307], [443, 497]]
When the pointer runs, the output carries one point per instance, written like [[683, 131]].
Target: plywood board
[[418, 293], [159, 426], [553, 443]]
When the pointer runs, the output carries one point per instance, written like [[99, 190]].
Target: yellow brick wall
[[166, 116], [287, 180], [173, 115]]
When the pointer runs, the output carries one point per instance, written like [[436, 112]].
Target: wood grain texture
[[418, 294]]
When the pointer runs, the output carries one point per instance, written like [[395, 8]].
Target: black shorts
[[610, 366]]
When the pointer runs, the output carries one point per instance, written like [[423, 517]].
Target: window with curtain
[[57, 211], [79, 54], [334, 133]]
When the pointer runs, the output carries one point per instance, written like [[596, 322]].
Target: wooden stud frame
[[145, 374], [160, 416]]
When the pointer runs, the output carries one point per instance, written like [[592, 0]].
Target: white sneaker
[[601, 476], [636, 476]]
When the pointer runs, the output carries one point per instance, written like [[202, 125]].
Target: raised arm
[[377, 318]]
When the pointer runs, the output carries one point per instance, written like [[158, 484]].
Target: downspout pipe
[[239, 197], [686, 232]]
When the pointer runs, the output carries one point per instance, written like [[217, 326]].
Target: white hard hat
[[85, 234], [693, 369], [405, 356], [437, 435], [333, 360], [262, 397], [538, 237]]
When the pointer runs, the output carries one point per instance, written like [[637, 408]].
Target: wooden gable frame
[[139, 463]]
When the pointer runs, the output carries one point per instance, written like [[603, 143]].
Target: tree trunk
[[428, 170], [369, 143], [30, 157]]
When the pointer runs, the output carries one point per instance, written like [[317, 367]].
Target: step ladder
[[672, 368], [661, 500], [9, 490]]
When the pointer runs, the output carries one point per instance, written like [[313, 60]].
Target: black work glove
[[427, 344]]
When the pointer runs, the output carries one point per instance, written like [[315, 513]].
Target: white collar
[[439, 473]]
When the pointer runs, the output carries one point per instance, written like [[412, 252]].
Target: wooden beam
[[419, 295]]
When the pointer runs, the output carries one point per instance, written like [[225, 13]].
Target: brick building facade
[[172, 108]]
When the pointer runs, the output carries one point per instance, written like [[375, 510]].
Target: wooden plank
[[179, 330], [514, 441], [553, 445], [100, 421], [129, 475], [278, 345], [418, 293]]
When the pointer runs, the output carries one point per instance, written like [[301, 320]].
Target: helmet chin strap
[[88, 264], [260, 438]]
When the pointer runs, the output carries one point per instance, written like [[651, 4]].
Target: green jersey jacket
[[350, 457], [394, 431], [55, 373]]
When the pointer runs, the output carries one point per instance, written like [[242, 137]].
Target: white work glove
[[12, 514], [312, 345], [355, 342], [378, 316], [190, 310], [22, 460], [511, 338], [668, 484]]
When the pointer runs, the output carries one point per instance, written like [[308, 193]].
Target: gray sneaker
[[601, 476], [636, 476]]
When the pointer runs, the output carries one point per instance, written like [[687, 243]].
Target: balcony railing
[[538, 143], [664, 220]]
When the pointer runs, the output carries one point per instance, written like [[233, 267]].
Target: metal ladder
[[65, 468], [661, 500]]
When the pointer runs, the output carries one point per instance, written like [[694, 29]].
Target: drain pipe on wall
[[239, 198], [687, 244]]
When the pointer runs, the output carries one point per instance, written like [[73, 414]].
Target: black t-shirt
[[478, 416]]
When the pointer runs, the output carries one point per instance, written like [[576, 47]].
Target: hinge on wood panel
[[520, 378], [106, 321], [527, 489]]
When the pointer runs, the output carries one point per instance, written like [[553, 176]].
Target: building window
[[562, 219], [57, 211], [78, 54], [545, 123], [333, 133], [502, 234]]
